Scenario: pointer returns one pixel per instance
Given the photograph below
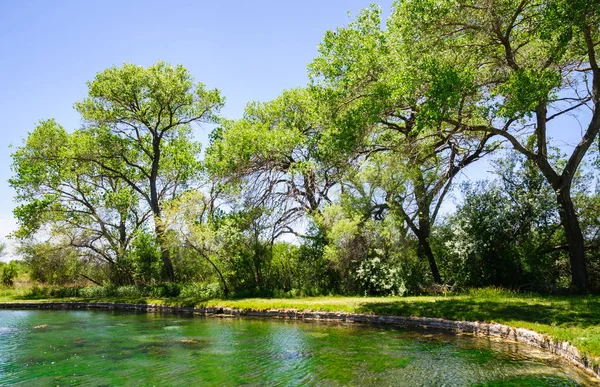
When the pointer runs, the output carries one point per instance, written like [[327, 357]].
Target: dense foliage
[[343, 186]]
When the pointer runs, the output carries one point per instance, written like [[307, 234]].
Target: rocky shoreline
[[505, 332]]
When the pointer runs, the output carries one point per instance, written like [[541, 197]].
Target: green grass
[[575, 319]]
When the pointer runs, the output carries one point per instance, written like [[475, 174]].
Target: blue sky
[[251, 50]]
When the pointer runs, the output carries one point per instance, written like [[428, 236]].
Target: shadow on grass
[[186, 302], [173, 301], [560, 312]]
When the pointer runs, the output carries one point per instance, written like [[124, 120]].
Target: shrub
[[378, 278], [8, 273], [144, 259], [202, 291], [51, 264]]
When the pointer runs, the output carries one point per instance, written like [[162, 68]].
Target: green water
[[91, 348]]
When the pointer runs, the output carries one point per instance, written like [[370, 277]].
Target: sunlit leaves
[[525, 89], [158, 97]]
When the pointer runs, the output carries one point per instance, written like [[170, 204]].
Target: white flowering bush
[[377, 277]]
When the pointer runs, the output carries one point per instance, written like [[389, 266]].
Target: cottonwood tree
[[380, 106], [526, 66], [142, 117], [73, 202], [272, 155]]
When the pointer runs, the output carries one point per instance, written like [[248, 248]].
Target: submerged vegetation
[[151, 349], [341, 187]]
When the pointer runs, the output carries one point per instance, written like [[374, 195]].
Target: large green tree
[[273, 156], [142, 117], [71, 202], [380, 107], [525, 66]]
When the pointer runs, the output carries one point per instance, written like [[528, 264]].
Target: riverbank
[[558, 319]]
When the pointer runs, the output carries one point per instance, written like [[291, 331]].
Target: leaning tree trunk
[[205, 256], [423, 233], [574, 236], [424, 251]]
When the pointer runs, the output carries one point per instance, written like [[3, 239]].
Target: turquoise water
[[94, 348]]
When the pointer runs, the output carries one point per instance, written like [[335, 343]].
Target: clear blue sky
[[251, 50]]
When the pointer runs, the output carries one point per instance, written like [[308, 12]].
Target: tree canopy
[[142, 118], [349, 184]]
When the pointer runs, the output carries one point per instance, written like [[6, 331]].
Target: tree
[[73, 202], [142, 118], [380, 107], [526, 65], [370, 247], [272, 154]]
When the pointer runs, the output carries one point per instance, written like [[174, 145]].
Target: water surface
[[97, 348]]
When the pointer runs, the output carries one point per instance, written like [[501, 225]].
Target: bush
[[163, 290], [8, 273], [93, 292], [37, 292], [52, 265], [378, 278], [109, 291], [505, 238], [144, 260], [202, 291]]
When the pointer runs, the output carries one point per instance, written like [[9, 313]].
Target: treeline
[[341, 186]]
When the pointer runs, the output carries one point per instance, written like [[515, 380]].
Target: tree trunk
[[570, 224], [424, 251], [164, 251], [424, 231], [155, 206]]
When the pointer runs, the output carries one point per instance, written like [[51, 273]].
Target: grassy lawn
[[567, 318]]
